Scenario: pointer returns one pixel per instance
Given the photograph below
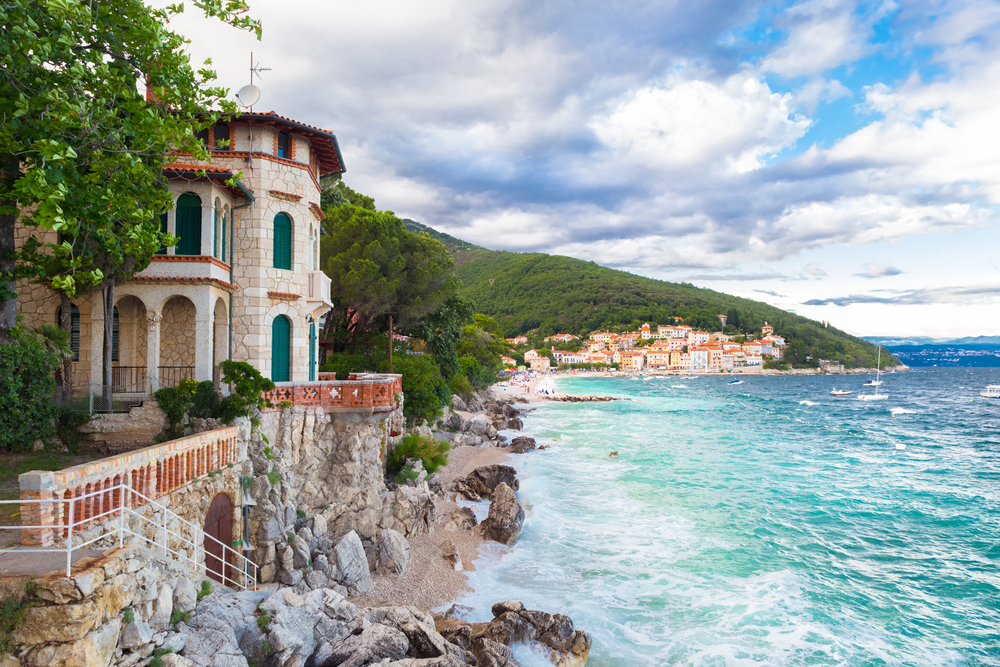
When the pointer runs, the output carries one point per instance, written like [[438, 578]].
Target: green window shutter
[[188, 225], [312, 351], [223, 256], [282, 242], [114, 336], [74, 329], [215, 234], [280, 349], [163, 229]]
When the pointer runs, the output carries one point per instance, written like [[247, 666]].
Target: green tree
[[81, 150], [377, 269], [339, 194], [424, 387]]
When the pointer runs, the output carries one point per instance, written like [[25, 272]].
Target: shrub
[[27, 384], [405, 474], [157, 659], [425, 390], [206, 590], [68, 425], [432, 453], [249, 387], [459, 384], [480, 377], [273, 477], [12, 613]]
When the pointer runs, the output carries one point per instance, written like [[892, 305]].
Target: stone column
[[153, 349], [97, 342], [37, 485], [203, 334], [208, 224]]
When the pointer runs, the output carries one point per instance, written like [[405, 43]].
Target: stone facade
[[175, 314]]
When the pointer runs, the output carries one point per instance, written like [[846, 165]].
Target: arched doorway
[[218, 525], [281, 338]]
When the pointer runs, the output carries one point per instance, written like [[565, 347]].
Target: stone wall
[[177, 333], [124, 431], [78, 620], [331, 467]]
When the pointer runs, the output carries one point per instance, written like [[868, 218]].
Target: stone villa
[[244, 281]]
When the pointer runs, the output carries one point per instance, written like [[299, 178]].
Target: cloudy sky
[[837, 159]]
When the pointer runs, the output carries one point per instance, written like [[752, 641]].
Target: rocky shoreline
[[343, 599]]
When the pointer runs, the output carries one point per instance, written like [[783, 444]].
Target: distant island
[[538, 295], [966, 352]]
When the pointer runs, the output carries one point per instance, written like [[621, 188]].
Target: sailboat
[[878, 375]]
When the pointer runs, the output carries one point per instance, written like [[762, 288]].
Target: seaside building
[[561, 338], [244, 280], [517, 340], [540, 364], [531, 355]]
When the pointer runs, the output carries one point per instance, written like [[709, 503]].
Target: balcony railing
[[364, 392], [319, 287], [134, 379]]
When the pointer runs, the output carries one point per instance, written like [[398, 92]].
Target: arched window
[[74, 338], [188, 225], [281, 347], [282, 242]]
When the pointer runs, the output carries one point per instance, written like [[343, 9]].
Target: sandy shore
[[430, 582]]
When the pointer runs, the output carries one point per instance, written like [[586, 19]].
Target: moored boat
[[840, 392], [991, 391]]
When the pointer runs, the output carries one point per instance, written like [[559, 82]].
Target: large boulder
[[522, 444], [392, 552], [185, 595], [484, 479], [512, 623], [506, 517], [352, 564]]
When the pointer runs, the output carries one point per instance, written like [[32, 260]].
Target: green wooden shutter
[[74, 329], [280, 349], [282, 242], [312, 351], [114, 336], [215, 233], [223, 257], [188, 225]]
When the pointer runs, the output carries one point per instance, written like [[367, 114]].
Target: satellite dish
[[248, 95]]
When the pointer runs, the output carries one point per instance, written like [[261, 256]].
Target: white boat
[[736, 382], [690, 377], [991, 391], [840, 392], [872, 383], [678, 386], [878, 380]]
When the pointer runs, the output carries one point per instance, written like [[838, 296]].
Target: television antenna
[[250, 94]]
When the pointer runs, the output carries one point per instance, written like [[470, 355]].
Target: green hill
[[454, 245], [547, 294]]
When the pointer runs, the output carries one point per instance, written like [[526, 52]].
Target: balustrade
[[367, 392], [154, 472]]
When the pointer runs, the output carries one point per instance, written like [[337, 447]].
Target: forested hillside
[[555, 294]]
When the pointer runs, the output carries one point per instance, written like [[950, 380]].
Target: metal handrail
[[246, 566]]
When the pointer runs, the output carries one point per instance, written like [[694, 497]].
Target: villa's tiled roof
[[324, 142]]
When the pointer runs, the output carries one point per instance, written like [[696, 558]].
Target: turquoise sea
[[766, 523]]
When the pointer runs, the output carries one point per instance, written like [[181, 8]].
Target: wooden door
[[218, 524]]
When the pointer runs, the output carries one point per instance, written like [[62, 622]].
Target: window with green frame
[[282, 242], [188, 225], [281, 337]]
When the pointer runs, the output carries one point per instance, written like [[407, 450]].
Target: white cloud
[[823, 34], [735, 125]]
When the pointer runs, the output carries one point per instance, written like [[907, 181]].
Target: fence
[[83, 491], [130, 386], [363, 392], [114, 504]]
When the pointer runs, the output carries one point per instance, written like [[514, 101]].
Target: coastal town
[[658, 348]]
